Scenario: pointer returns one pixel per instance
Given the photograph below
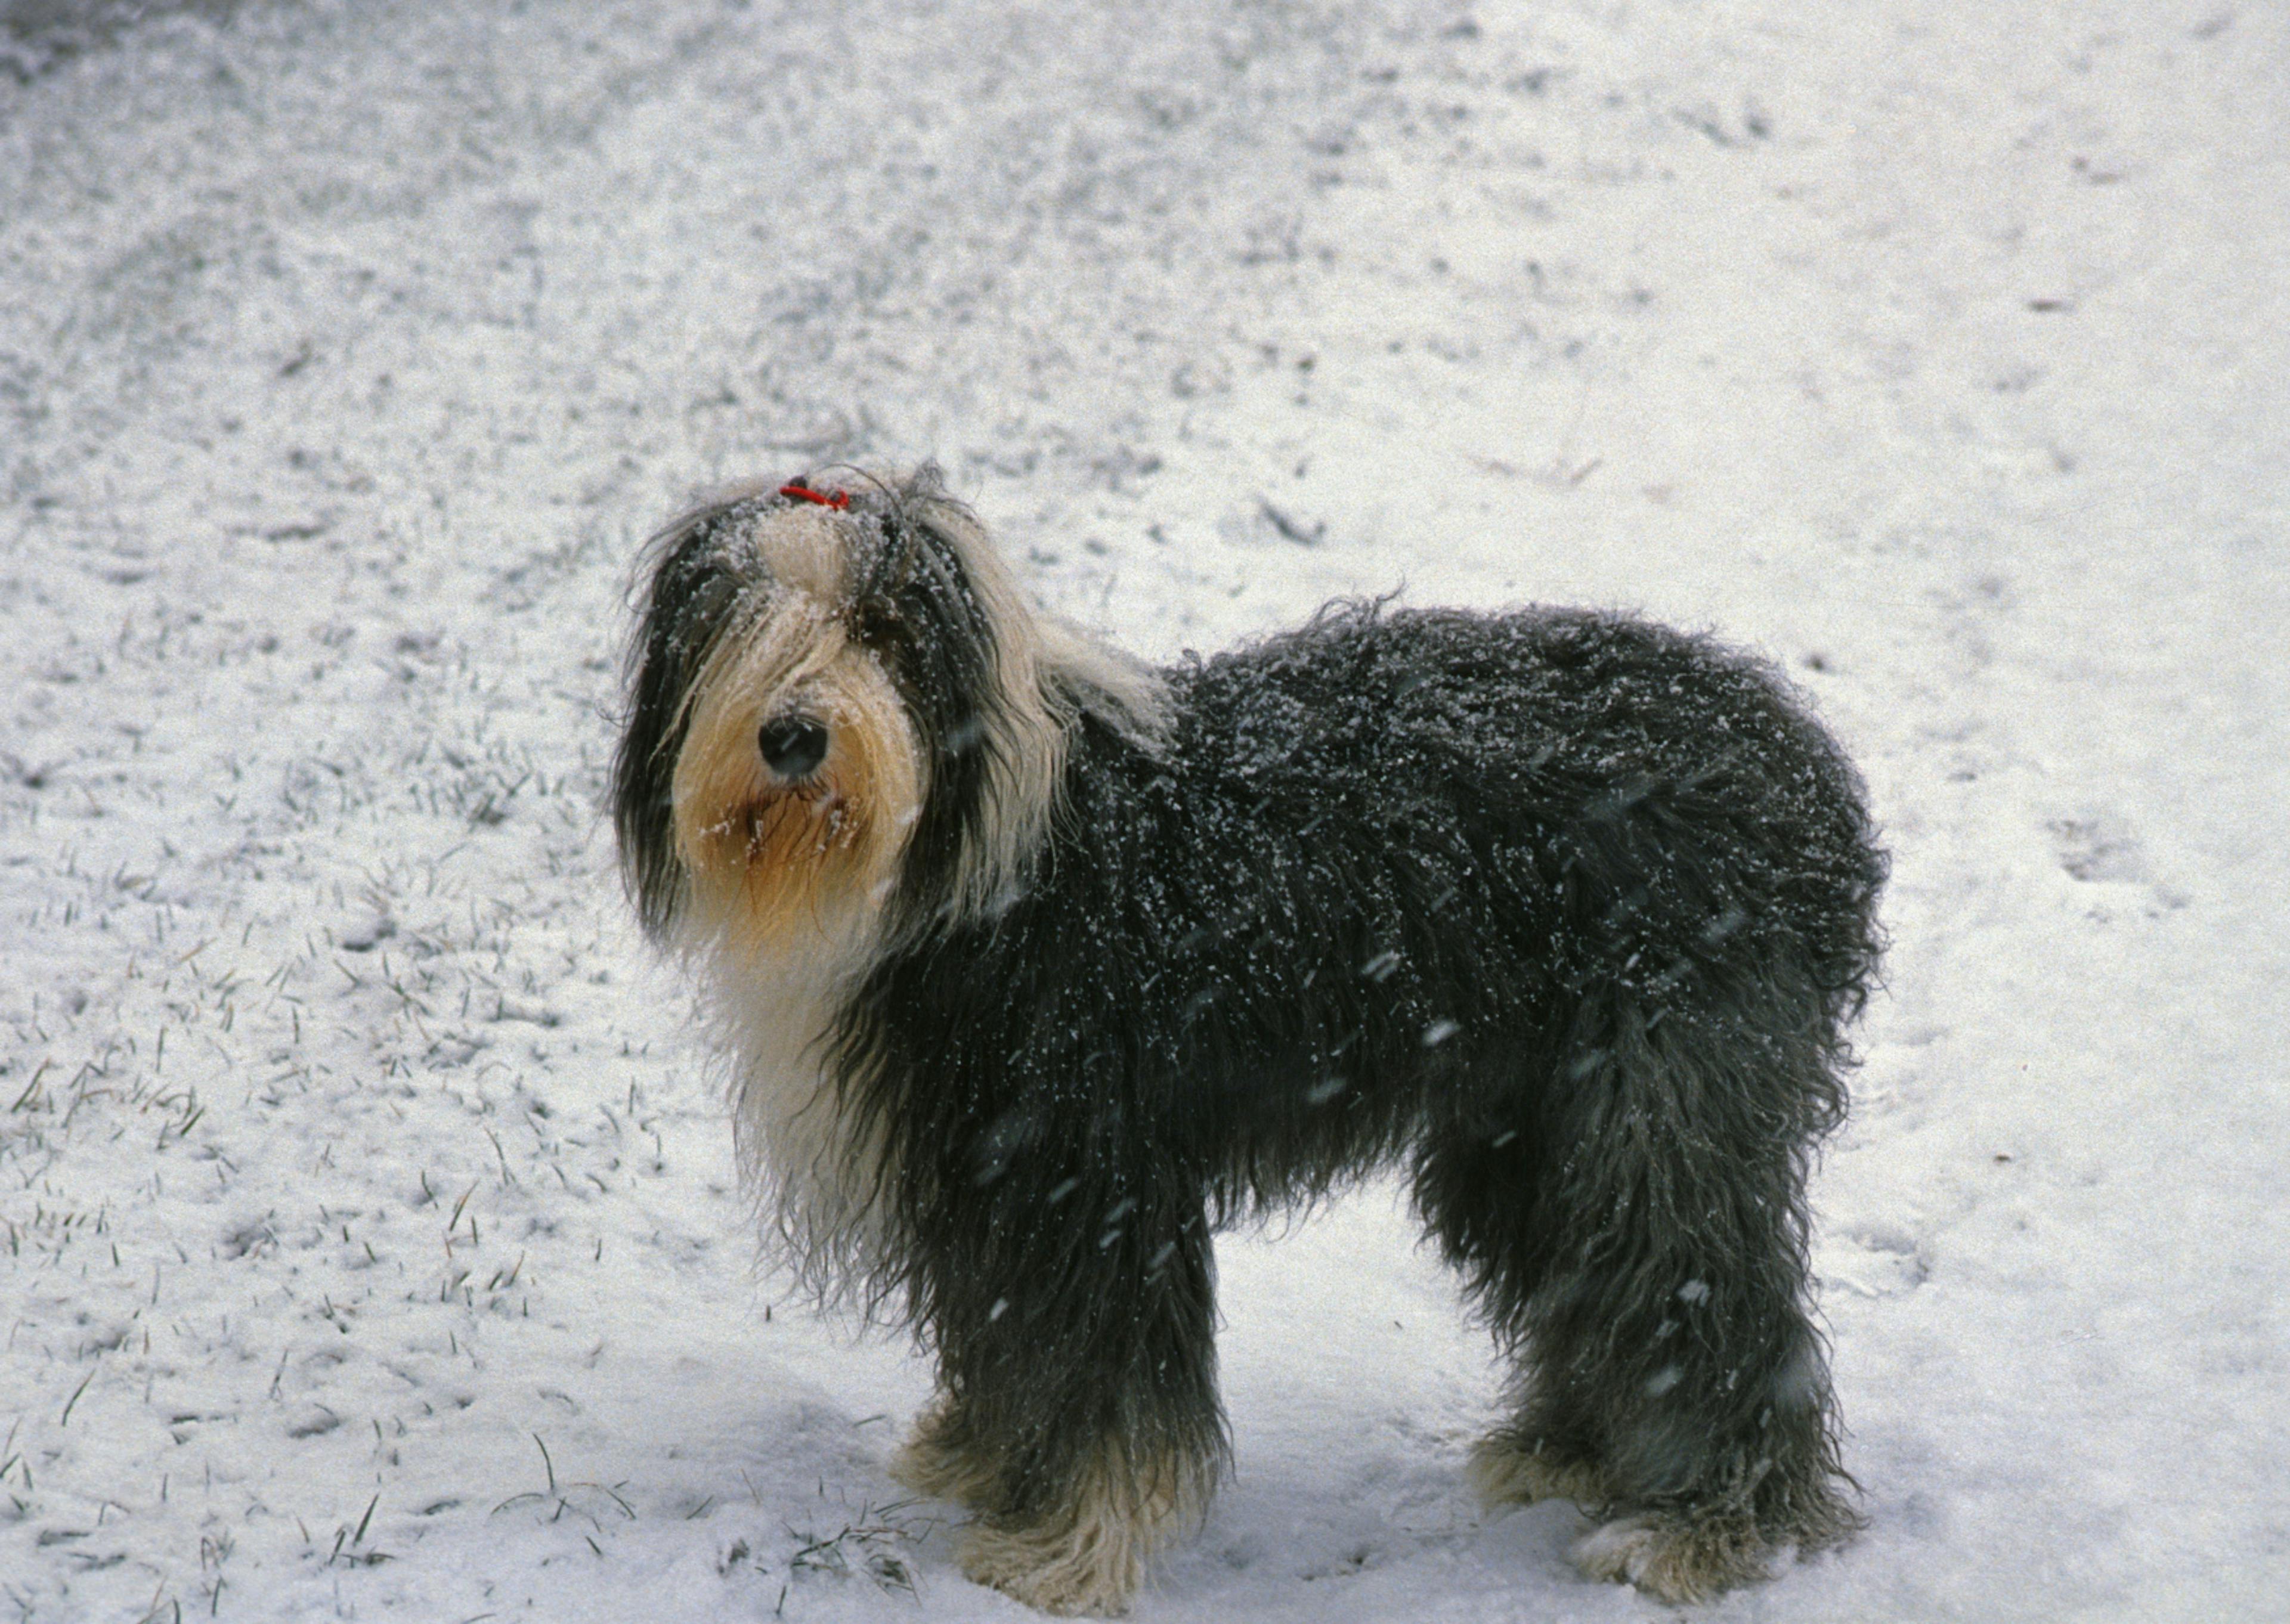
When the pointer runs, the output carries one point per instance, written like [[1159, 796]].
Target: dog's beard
[[783, 873]]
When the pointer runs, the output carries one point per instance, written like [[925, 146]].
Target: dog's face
[[771, 774], [835, 705], [799, 775]]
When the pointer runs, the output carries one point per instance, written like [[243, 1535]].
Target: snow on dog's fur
[[1035, 966]]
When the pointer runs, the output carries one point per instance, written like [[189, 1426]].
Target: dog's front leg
[[1079, 1416]]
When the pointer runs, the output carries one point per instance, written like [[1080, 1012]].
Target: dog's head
[[841, 713]]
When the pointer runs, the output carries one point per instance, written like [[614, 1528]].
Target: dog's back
[[1386, 857]]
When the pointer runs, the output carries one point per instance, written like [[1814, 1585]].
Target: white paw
[[1620, 1551], [1503, 1473], [1062, 1569], [1673, 1559]]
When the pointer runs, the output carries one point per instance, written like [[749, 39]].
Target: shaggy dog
[[1036, 966]]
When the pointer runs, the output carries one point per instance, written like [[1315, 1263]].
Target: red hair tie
[[837, 499]]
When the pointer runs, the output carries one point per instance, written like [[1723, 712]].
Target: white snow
[[371, 1248]]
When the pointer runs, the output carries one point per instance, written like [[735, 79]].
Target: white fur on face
[[778, 870]]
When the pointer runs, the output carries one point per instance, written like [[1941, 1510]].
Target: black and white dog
[[1037, 966]]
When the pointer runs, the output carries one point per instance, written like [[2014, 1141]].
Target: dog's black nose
[[793, 746]]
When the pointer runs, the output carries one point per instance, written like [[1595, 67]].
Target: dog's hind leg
[[1666, 1317], [1079, 1416]]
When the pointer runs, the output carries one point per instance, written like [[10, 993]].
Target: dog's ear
[[944, 636], [689, 600]]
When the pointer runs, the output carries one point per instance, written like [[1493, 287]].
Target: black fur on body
[[1562, 912]]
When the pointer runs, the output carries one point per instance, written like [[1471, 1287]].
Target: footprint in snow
[[1872, 1260], [2095, 850]]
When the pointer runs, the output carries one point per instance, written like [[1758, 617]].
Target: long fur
[[1564, 913]]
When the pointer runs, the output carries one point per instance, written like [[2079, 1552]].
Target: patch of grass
[[575, 1498], [873, 1545]]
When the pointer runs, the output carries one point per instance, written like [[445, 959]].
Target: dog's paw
[[933, 1463], [1087, 1553], [1508, 1470], [1071, 1565], [1673, 1559]]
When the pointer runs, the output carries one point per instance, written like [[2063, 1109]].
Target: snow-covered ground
[[371, 1244]]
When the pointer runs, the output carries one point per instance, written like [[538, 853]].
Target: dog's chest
[[788, 1116]]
